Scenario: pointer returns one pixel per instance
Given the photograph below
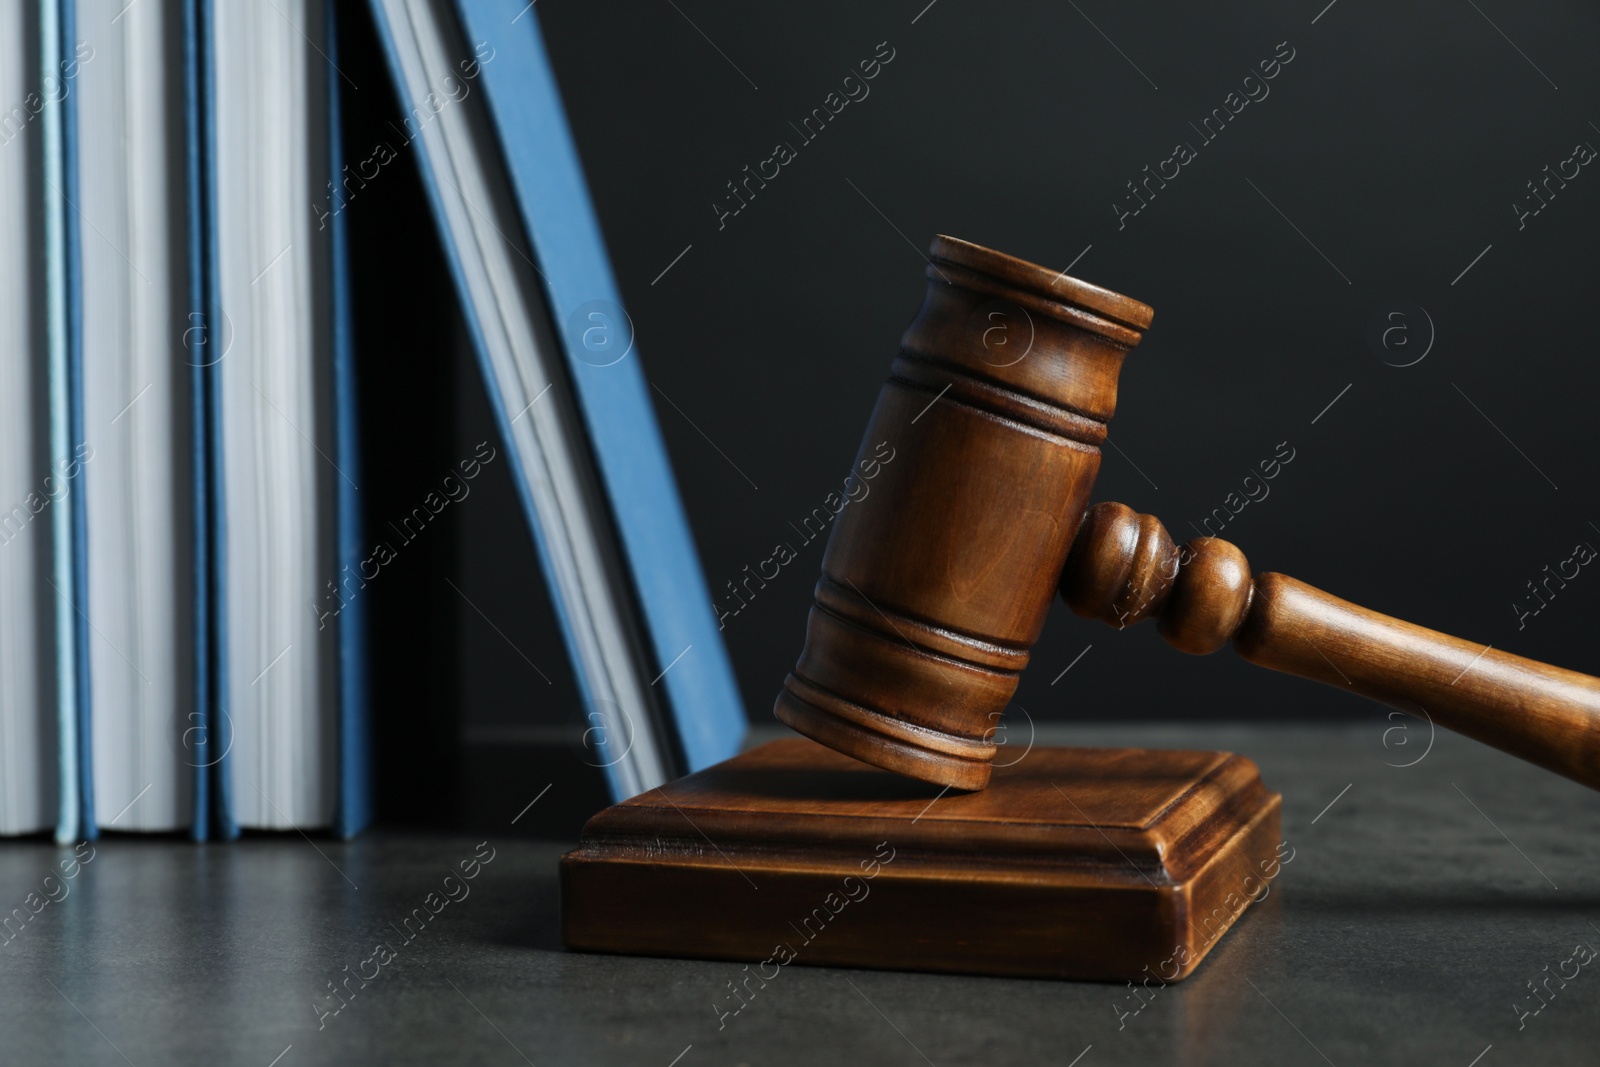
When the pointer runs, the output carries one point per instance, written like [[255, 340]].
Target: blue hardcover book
[[197, 740], [354, 809], [564, 379], [216, 333], [289, 731], [75, 812]]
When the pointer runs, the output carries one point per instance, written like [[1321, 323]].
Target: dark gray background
[[1385, 159]]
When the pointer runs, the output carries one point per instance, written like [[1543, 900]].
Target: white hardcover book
[[501, 297], [136, 409], [28, 486], [276, 542]]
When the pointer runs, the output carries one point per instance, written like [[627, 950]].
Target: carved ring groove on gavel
[[932, 596]]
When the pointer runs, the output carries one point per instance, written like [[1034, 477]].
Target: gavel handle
[[1124, 568]]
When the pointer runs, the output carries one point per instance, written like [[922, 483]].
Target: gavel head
[[975, 469]]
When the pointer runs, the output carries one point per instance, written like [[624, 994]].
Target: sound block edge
[[1093, 864]]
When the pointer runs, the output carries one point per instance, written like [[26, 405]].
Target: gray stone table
[[1420, 903]]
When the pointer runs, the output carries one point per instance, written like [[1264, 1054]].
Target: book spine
[[60, 230], [220, 734], [353, 809], [196, 744], [79, 562]]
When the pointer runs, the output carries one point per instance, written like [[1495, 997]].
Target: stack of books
[[181, 537]]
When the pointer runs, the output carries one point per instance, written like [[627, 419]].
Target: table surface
[[1420, 902]]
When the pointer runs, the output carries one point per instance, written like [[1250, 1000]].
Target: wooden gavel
[[934, 590]]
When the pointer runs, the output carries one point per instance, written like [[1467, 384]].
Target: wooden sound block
[[1101, 864]]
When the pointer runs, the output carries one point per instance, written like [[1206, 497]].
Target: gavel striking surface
[[1083, 863]]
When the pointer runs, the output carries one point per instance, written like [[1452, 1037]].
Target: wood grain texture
[[934, 589], [1124, 568], [1106, 864]]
